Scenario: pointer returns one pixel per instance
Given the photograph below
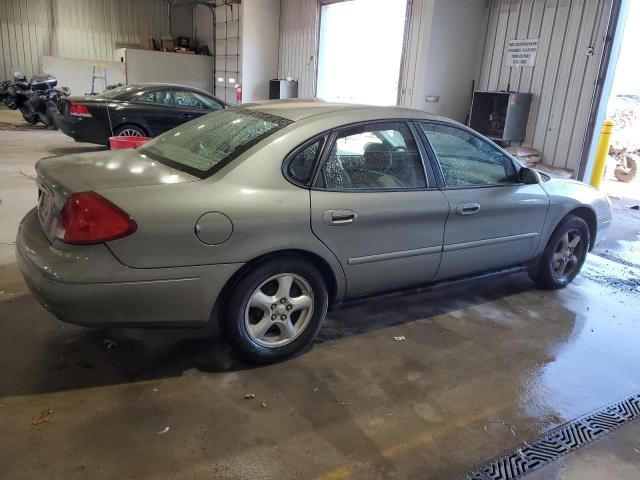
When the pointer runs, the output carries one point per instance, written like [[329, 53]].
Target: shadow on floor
[[40, 354]]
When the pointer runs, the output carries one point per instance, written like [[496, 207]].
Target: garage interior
[[455, 381]]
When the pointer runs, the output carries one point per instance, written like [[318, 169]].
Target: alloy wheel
[[567, 254], [279, 310], [129, 132]]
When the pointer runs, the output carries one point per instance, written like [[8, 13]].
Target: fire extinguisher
[[239, 93]]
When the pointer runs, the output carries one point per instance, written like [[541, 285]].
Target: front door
[[192, 105], [373, 206], [154, 110], [495, 221]]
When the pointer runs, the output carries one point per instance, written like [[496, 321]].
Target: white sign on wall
[[522, 53]]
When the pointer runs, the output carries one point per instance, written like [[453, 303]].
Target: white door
[[360, 51]]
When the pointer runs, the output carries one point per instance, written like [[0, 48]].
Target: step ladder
[[99, 73]]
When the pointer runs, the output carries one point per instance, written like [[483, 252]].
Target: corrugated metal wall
[[182, 24], [299, 23], [86, 29], [564, 75], [25, 35], [89, 28]]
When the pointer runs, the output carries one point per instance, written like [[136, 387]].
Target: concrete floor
[[484, 367], [623, 243]]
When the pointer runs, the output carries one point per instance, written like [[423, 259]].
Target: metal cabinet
[[500, 116]]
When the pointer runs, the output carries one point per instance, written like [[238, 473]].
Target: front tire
[[564, 254], [276, 309]]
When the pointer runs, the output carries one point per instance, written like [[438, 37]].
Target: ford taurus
[[265, 216]]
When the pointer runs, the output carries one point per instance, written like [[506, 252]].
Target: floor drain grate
[[559, 441]]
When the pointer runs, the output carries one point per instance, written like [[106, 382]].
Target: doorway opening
[[360, 51], [623, 107], [620, 102]]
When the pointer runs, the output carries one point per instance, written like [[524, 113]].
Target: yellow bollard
[[601, 154]]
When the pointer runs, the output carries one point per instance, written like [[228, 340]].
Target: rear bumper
[[122, 296], [84, 130]]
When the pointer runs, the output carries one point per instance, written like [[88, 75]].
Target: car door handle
[[339, 217], [467, 208], [184, 115]]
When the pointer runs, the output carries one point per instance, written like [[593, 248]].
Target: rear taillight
[[88, 218], [79, 110]]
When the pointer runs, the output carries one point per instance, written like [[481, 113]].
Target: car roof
[[154, 85], [299, 109], [130, 89]]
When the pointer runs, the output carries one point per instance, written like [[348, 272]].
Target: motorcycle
[[37, 99], [624, 161]]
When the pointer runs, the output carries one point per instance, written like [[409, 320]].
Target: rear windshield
[[204, 145], [121, 91]]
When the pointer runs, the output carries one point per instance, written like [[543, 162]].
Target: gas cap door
[[213, 228]]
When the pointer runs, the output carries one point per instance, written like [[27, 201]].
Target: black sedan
[[140, 110]]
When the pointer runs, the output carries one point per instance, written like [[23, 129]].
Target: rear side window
[[204, 145], [300, 167], [158, 97], [374, 157]]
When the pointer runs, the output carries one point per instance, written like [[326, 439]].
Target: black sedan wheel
[[130, 131]]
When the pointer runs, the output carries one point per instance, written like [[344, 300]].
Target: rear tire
[[564, 254], [54, 115], [29, 118], [276, 309], [129, 130]]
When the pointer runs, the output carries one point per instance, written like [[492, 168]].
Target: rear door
[[374, 205], [192, 105], [495, 221]]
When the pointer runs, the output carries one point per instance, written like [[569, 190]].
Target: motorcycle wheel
[[29, 116], [53, 116], [44, 118]]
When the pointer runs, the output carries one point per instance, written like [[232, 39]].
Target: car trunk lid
[[87, 100], [58, 177]]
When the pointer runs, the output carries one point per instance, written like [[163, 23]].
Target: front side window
[[466, 159], [158, 97], [374, 157], [300, 167], [204, 145]]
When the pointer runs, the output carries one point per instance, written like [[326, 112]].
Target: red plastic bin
[[118, 143]]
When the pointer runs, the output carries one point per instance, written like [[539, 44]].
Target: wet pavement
[[622, 244], [483, 367]]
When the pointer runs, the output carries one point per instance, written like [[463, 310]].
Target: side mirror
[[529, 176]]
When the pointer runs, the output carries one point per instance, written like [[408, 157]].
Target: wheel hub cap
[[565, 261], [279, 310]]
